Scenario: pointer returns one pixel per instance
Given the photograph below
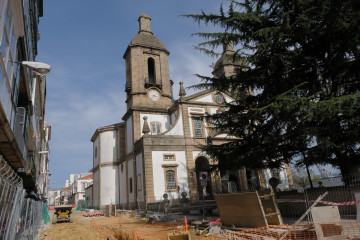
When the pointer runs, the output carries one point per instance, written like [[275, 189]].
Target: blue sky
[[84, 42]]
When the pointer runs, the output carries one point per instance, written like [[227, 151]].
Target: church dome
[[145, 37], [147, 40]]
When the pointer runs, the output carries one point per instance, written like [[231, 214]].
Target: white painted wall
[[196, 154], [108, 151], [130, 164], [213, 110], [159, 176], [177, 128], [228, 99], [89, 195], [122, 184], [129, 135], [164, 120], [139, 171], [109, 185], [96, 189], [207, 98], [96, 146], [173, 117]]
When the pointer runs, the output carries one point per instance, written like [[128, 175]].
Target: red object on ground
[[215, 221]]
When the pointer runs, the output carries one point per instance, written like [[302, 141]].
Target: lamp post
[[40, 70]]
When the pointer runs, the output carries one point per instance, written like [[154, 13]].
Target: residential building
[[54, 197], [64, 195], [80, 185], [155, 151], [89, 197], [24, 134], [76, 186]]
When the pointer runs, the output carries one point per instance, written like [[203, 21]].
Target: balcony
[[12, 142], [157, 83]]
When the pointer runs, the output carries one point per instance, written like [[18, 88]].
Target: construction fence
[[303, 231], [20, 217], [343, 192]]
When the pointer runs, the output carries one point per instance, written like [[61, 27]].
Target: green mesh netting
[[81, 205], [45, 214]]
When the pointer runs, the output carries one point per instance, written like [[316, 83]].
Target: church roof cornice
[[106, 128]]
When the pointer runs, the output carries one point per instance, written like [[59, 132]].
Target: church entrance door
[[203, 178]]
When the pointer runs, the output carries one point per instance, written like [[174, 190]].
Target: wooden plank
[[240, 209]]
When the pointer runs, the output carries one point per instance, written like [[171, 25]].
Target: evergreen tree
[[303, 67]]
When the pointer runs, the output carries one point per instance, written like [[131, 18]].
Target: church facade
[[155, 150]]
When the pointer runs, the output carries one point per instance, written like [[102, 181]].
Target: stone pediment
[[209, 96]]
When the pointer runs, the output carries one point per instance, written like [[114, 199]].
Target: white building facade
[[155, 151]]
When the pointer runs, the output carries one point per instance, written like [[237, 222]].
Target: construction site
[[318, 213]]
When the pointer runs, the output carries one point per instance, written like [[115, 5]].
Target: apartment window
[[151, 70], [130, 185], [155, 128], [170, 180], [169, 157], [198, 128]]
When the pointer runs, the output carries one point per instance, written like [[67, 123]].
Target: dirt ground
[[78, 230], [120, 227]]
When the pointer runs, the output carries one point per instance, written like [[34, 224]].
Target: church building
[[155, 150]]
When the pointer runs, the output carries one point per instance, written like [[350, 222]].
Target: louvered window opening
[[170, 180], [198, 128]]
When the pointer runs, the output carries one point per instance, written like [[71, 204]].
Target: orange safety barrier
[[123, 227], [303, 231]]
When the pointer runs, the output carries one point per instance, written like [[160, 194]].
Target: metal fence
[[20, 217], [343, 192]]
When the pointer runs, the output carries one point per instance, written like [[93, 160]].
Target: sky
[[84, 41]]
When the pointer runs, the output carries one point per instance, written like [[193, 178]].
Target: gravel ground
[[78, 230]]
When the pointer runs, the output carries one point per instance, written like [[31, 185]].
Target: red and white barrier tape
[[339, 204], [323, 202]]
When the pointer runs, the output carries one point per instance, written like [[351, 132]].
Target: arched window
[[170, 180], [151, 70]]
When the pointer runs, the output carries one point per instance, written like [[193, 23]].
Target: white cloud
[[185, 62]]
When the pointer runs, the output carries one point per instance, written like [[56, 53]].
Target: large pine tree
[[303, 59]]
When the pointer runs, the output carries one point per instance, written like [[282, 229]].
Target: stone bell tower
[[147, 70]]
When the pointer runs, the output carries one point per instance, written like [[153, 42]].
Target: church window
[[169, 157], [219, 98], [155, 128], [130, 185], [170, 180], [198, 128], [151, 70]]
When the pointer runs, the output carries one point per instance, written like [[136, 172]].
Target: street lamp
[[43, 152], [38, 67], [41, 69]]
